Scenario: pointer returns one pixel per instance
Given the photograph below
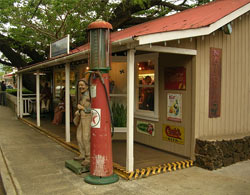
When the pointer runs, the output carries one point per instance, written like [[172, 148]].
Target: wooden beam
[[162, 49], [18, 96], [67, 102], [130, 110], [38, 118], [21, 95]]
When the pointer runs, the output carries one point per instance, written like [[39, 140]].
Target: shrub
[[14, 91], [119, 112]]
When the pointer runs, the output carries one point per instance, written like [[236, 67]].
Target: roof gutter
[[124, 41]]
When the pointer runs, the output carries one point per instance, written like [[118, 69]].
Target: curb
[[153, 170], [7, 179]]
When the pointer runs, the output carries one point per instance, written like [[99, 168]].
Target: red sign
[[173, 133], [175, 78], [215, 82]]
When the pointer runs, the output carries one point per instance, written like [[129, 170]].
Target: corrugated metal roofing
[[193, 18], [189, 19]]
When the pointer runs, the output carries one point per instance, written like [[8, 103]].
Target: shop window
[[59, 82], [147, 86], [118, 91]]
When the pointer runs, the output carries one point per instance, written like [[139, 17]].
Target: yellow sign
[[173, 133]]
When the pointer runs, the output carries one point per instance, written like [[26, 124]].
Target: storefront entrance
[[166, 123]]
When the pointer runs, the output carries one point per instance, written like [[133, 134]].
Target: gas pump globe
[[101, 162], [99, 33]]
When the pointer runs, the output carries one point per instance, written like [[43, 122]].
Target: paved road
[[36, 164]]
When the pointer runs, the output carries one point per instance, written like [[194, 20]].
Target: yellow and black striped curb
[[145, 172], [118, 169]]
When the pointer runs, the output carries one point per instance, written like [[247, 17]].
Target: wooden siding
[[170, 60], [235, 85]]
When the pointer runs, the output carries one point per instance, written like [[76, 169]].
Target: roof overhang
[[56, 61], [117, 45], [182, 34], [140, 42]]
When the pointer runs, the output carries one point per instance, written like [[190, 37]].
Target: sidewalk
[[33, 164]]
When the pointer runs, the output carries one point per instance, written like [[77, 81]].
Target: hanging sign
[[60, 47], [173, 133], [96, 118], [145, 128], [174, 109], [215, 82], [175, 78]]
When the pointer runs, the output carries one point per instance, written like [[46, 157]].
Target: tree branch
[[36, 9], [183, 3], [122, 13], [173, 6], [35, 56], [12, 56], [5, 63], [39, 30]]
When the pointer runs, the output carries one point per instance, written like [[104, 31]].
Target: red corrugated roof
[[197, 17], [189, 19], [78, 49]]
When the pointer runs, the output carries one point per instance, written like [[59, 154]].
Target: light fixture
[[227, 29]]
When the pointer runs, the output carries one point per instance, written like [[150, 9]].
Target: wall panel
[[235, 94]]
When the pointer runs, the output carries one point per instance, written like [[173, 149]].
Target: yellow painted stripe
[[148, 171], [165, 168], [169, 167], [178, 165], [154, 170], [130, 175], [159, 169], [187, 163], [174, 166], [183, 164], [137, 172], [142, 172]]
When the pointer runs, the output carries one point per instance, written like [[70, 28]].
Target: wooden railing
[[28, 101]]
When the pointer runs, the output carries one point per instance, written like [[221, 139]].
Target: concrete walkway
[[33, 164]]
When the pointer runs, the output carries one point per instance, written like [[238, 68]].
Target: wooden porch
[[144, 156]]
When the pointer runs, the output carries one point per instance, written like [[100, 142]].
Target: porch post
[[130, 110], [67, 102], [21, 95], [38, 121], [18, 96]]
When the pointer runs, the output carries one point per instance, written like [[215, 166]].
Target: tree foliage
[[28, 26]]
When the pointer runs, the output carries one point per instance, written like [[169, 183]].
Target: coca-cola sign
[[145, 127]]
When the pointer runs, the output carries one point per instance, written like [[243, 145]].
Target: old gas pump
[[101, 163]]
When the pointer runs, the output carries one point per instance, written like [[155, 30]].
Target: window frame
[[147, 114], [122, 59]]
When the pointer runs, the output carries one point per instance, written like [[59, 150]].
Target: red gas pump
[[101, 163]]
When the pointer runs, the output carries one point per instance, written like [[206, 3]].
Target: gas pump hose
[[106, 94]]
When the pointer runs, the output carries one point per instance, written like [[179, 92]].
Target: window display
[[146, 74], [59, 80], [146, 87], [118, 93]]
